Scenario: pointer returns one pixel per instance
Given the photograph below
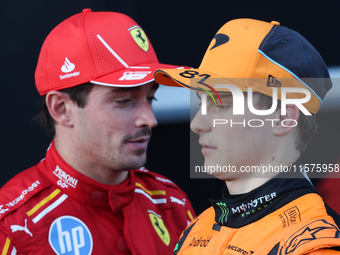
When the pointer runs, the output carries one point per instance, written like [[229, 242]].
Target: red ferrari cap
[[104, 48]]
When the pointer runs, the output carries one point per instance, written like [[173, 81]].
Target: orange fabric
[[298, 227], [324, 252], [238, 60]]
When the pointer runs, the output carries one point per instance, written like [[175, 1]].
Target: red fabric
[[87, 216], [106, 48], [329, 190], [329, 187]]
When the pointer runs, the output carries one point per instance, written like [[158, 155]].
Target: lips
[[139, 143], [206, 145], [207, 148], [139, 140]]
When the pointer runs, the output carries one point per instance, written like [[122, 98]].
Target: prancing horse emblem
[[139, 37], [159, 226]]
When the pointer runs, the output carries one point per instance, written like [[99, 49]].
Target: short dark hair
[[307, 123], [77, 94]]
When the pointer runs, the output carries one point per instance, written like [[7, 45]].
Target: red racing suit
[[51, 208]]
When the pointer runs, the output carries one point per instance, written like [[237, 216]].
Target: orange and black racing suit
[[283, 216]]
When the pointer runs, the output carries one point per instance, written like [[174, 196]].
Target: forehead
[[227, 95], [151, 86], [221, 95]]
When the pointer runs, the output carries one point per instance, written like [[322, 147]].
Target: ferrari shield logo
[[159, 226], [140, 38]]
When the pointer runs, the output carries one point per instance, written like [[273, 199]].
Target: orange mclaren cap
[[104, 48], [261, 55]]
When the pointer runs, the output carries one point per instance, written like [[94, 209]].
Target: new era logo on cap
[[273, 82]]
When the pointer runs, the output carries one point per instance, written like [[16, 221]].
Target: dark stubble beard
[[138, 159]]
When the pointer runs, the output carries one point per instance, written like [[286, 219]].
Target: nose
[[146, 116], [200, 123]]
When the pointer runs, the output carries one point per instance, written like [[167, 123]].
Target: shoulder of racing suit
[[283, 217]]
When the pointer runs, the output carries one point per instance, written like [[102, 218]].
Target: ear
[[59, 105], [287, 122]]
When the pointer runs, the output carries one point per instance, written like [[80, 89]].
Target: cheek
[[238, 140], [96, 125], [111, 118]]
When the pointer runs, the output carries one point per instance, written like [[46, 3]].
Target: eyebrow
[[155, 86], [222, 95]]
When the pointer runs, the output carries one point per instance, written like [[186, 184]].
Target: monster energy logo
[[225, 211], [176, 247]]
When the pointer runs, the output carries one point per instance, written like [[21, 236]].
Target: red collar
[[84, 189]]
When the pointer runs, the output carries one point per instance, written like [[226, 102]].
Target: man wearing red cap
[[90, 194], [260, 86]]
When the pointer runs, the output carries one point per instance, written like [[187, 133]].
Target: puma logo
[[21, 228]]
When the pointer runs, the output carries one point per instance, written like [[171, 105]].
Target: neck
[[94, 171], [244, 185], [253, 180]]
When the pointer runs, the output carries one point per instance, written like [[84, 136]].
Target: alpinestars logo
[[318, 229], [66, 68]]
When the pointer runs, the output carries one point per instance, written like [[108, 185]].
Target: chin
[[140, 153], [134, 162]]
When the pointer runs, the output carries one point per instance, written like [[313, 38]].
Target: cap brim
[[202, 80], [196, 79], [132, 76]]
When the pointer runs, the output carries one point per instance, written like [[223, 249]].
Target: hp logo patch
[[70, 236]]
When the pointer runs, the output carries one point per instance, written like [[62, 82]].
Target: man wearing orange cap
[[260, 86], [90, 194]]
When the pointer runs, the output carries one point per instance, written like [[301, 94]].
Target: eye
[[123, 101], [151, 99], [223, 107]]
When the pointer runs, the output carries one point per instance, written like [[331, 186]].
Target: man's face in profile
[[235, 143]]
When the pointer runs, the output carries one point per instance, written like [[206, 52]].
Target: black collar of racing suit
[[237, 211]]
